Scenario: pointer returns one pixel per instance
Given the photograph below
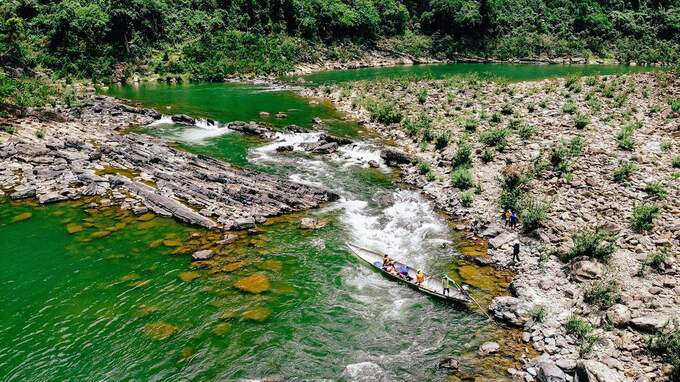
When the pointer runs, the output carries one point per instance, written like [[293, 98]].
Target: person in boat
[[391, 269], [386, 261], [446, 283], [420, 278], [403, 273]]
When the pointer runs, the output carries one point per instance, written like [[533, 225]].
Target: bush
[[559, 159], [384, 112], [487, 155], [569, 107], [463, 156], [576, 145], [40, 133], [582, 330], [470, 124], [676, 162], [656, 189], [598, 244], [442, 140], [506, 109], [643, 217], [624, 171], [495, 137], [675, 105], [462, 178], [666, 145], [496, 118], [525, 131], [666, 344], [421, 95], [466, 198], [657, 260], [538, 313], [581, 121], [533, 214], [625, 137], [423, 167], [603, 295]]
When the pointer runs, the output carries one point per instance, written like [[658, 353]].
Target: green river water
[[104, 295]]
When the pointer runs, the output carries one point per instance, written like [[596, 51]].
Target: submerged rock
[[184, 119], [159, 330], [256, 283], [189, 276], [74, 228], [22, 216], [221, 329], [256, 314], [449, 363]]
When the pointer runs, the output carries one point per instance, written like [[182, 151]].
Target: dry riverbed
[[591, 165]]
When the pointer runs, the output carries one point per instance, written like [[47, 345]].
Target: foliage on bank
[[210, 39]]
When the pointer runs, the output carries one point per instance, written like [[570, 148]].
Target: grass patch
[[462, 178], [533, 214], [656, 190], [601, 294], [582, 330], [538, 313], [581, 121], [624, 171], [384, 112], [466, 198], [497, 138], [666, 344], [463, 155]]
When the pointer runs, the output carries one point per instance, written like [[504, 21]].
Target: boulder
[[488, 348], [331, 138], [585, 270], [449, 363], [284, 148], [281, 115], [510, 310], [205, 254], [184, 119], [594, 371], [326, 148], [548, 371], [651, 322], [311, 223], [395, 157], [51, 197], [364, 372], [501, 240], [23, 192], [251, 128], [240, 224], [619, 315]]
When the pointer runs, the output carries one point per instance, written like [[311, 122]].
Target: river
[[78, 305]]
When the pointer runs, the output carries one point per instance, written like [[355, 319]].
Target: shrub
[[533, 214], [675, 105], [487, 155], [526, 132], [601, 294], [462, 178], [496, 118], [384, 112], [676, 162], [576, 145], [666, 145], [9, 129], [40, 133], [625, 138], [427, 134], [470, 124], [643, 217], [506, 109], [430, 176], [569, 107], [666, 344], [624, 171], [582, 330], [467, 198], [538, 313], [581, 121], [463, 155], [421, 95], [411, 128], [657, 260], [559, 159], [495, 137], [598, 244], [423, 167], [442, 140], [656, 189]]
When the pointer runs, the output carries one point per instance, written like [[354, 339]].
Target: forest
[[210, 39]]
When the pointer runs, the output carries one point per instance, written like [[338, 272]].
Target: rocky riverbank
[[70, 152], [591, 166]]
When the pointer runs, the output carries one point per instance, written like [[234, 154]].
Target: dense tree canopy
[[89, 37]]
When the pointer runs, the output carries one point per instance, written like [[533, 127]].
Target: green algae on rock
[[22, 216], [256, 283], [159, 330]]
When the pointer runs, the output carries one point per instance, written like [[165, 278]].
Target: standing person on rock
[[515, 251], [507, 215], [514, 218]]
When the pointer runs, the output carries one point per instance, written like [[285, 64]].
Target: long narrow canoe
[[432, 285]]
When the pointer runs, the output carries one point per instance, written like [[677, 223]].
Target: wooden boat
[[432, 286]]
